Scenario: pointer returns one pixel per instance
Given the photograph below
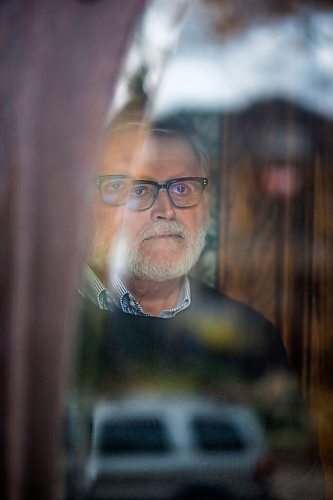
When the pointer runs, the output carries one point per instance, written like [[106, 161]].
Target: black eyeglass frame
[[166, 185]]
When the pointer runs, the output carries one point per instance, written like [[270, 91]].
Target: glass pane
[[180, 302], [217, 435], [132, 436]]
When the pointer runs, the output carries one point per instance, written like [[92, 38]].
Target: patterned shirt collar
[[102, 297], [95, 291]]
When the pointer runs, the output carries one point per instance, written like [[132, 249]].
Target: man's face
[[163, 242]]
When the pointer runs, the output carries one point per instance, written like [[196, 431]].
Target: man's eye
[[183, 189], [139, 190], [115, 186]]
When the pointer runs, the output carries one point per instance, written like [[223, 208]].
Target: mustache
[[162, 228]]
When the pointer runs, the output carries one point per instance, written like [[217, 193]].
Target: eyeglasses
[[139, 195]]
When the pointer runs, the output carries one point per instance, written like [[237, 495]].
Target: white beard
[[131, 258]]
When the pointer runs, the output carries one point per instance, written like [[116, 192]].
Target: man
[[147, 325], [150, 232]]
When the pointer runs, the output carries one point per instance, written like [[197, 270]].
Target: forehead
[[138, 153]]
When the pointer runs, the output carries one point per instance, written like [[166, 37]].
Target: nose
[[163, 207]]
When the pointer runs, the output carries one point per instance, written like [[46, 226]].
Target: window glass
[[217, 435], [220, 301], [132, 436]]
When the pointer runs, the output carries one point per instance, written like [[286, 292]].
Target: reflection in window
[[216, 435], [132, 436], [257, 102]]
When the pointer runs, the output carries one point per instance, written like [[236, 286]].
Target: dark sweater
[[214, 343]]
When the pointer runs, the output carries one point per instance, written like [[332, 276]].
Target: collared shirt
[[101, 296]]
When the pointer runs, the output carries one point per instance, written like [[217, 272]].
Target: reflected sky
[[285, 57]]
